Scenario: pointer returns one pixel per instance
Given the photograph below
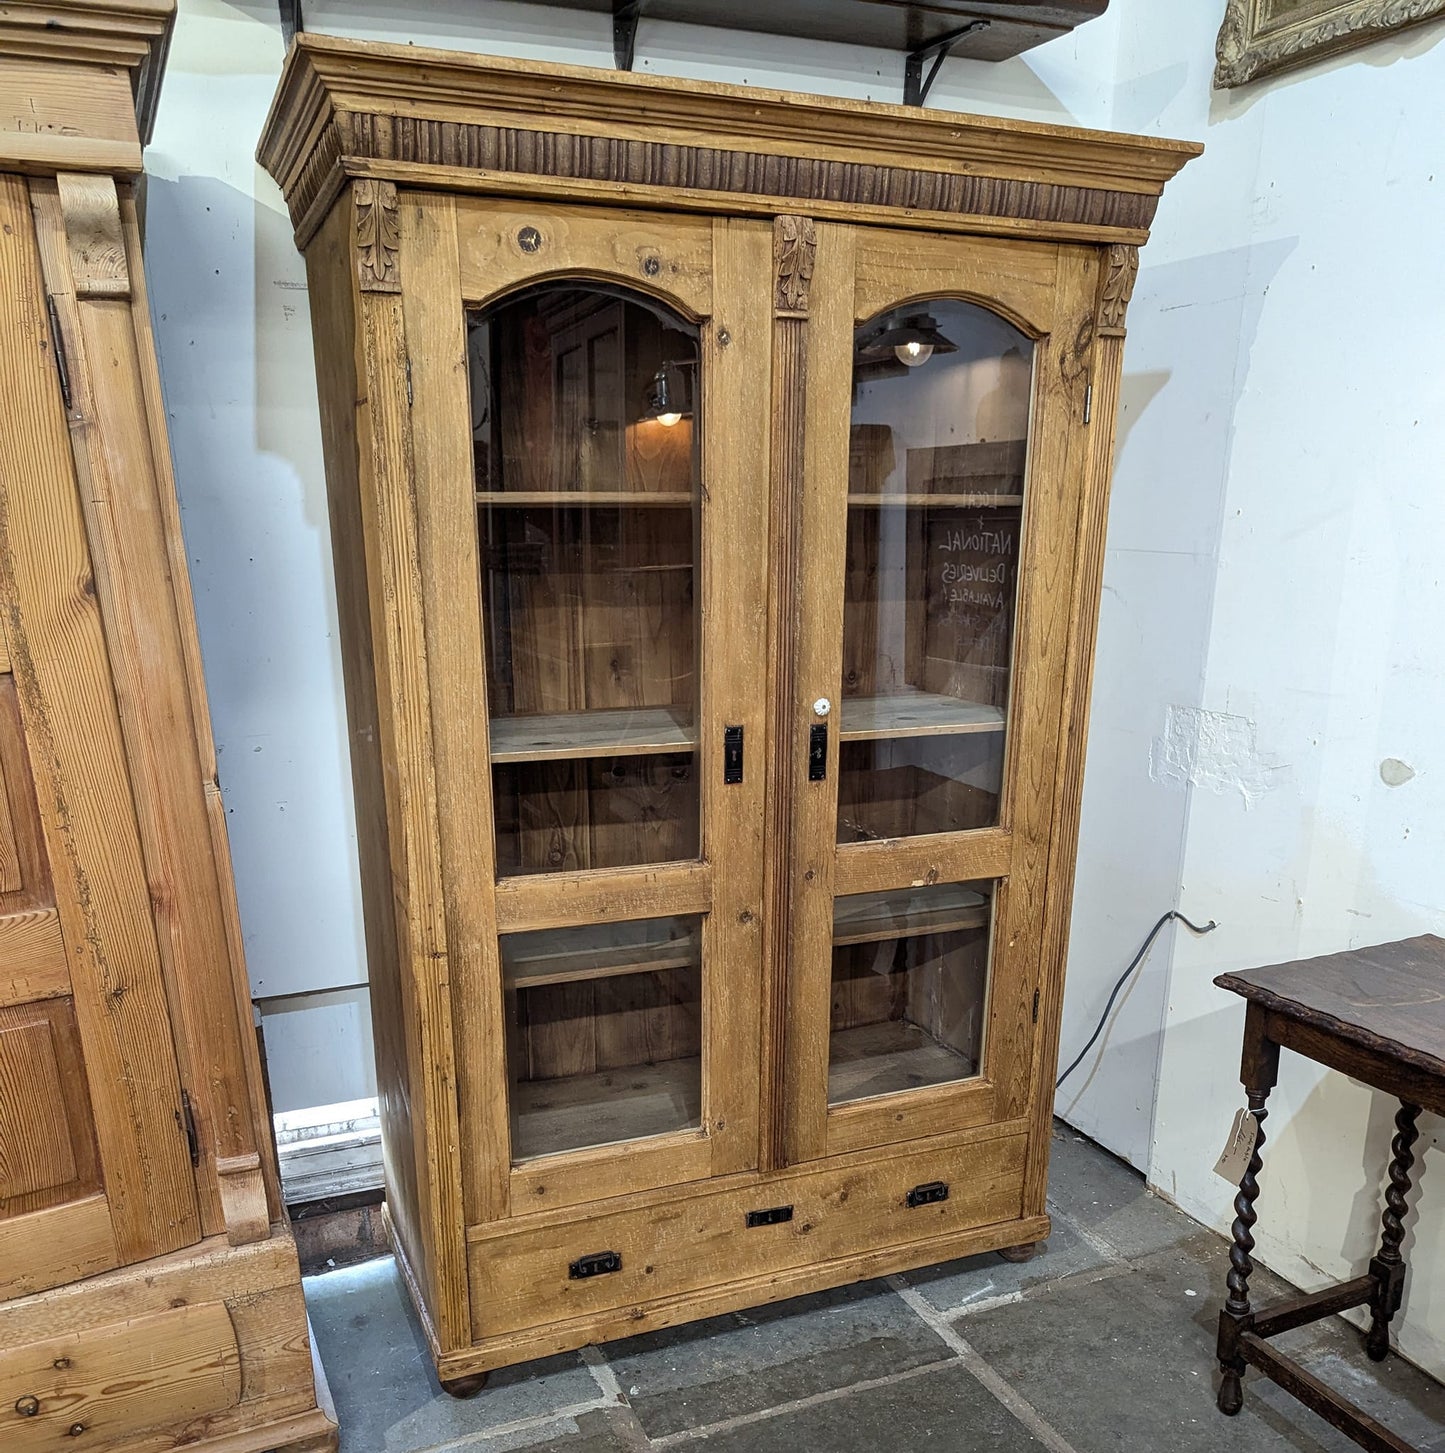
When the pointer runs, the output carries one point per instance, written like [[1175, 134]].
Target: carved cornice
[[1121, 268], [1255, 41], [378, 237], [469, 122], [795, 246]]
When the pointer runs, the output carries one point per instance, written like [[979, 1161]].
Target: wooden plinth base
[[90, 1354]]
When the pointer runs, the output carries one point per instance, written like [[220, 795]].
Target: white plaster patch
[[1395, 773], [1210, 749]]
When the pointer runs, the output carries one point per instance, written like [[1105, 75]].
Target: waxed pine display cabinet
[[150, 1294], [718, 482]]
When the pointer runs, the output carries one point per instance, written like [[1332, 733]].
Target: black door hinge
[[1036, 1006], [193, 1139], [57, 343], [1088, 403], [408, 382]]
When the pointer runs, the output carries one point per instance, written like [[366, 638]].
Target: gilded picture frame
[[1261, 37]]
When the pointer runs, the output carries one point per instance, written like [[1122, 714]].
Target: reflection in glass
[[604, 1032], [938, 453], [585, 445], [910, 989]]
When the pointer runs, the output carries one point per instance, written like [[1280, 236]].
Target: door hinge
[[57, 344], [1088, 403], [408, 383], [193, 1140], [1036, 1006]]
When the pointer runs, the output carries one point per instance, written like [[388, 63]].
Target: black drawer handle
[[772, 1216], [598, 1264], [928, 1194]]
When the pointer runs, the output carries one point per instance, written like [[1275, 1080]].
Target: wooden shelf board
[[882, 1059], [614, 732], [914, 714], [583, 499], [550, 959], [551, 1116], [906, 913], [949, 501]]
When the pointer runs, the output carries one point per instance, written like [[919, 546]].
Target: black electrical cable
[[1124, 979]]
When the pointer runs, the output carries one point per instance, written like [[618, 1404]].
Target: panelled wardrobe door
[[930, 677], [605, 601], [94, 1166]]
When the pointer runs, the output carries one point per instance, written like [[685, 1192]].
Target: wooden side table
[[1378, 1015]]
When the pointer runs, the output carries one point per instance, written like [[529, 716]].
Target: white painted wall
[[1272, 600]]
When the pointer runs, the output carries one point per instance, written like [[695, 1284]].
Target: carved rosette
[[378, 237], [795, 246], [1121, 268]]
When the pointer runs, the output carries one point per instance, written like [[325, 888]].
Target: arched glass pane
[[585, 421], [939, 441]]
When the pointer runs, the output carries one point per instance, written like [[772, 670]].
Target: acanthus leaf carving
[[796, 248], [1121, 268], [378, 236]]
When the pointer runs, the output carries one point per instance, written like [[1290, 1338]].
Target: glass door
[[933, 693], [605, 355]]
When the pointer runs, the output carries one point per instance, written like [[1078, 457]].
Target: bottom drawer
[[114, 1380], [528, 1275]]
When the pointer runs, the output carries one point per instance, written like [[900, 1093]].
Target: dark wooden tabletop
[[1389, 999]]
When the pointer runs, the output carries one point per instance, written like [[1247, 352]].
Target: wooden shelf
[[572, 735], [882, 1059], [914, 714], [550, 1116], [599, 951], [907, 913], [946, 501], [583, 499]]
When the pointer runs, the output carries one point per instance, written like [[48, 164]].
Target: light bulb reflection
[[914, 354], [668, 420]]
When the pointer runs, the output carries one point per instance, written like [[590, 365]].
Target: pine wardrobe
[[718, 482], [150, 1295]]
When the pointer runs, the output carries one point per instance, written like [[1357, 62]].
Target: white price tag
[[1235, 1158]]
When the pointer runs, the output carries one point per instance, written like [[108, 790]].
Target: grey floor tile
[[705, 1372], [1108, 1200], [954, 1285], [387, 1396], [596, 1432], [947, 1411]]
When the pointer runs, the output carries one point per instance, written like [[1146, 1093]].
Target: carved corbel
[[795, 246], [377, 236], [1121, 268]]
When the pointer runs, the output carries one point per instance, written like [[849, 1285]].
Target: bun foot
[[464, 1387], [1231, 1394], [1026, 1252]]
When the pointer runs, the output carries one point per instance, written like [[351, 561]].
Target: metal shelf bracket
[[625, 15], [916, 85]]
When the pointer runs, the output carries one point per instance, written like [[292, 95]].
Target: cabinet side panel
[[234, 960], [333, 323], [1091, 461]]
